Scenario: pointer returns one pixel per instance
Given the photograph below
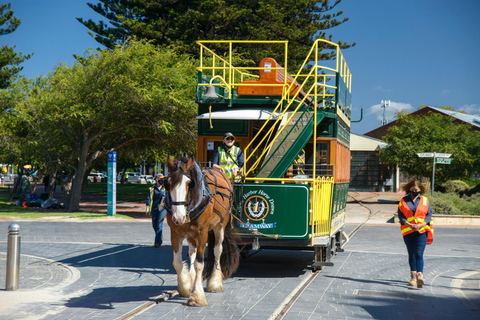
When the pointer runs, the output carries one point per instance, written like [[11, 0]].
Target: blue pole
[[112, 183]]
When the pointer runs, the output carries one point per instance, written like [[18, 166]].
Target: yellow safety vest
[[152, 193], [226, 162]]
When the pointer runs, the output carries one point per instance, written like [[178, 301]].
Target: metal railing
[[321, 206]]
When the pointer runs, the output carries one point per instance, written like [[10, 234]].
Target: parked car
[[146, 179], [133, 177], [98, 175]]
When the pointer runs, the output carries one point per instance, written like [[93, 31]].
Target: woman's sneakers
[[420, 280]]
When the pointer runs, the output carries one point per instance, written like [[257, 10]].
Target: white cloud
[[473, 109], [390, 111], [446, 91]]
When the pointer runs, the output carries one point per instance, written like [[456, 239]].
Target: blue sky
[[410, 52]]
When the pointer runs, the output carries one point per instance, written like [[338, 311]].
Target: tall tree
[[432, 133], [9, 59], [180, 23], [115, 99]]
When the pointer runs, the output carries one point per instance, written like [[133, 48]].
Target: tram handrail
[[321, 207], [341, 69]]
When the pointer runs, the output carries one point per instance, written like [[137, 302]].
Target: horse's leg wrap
[[183, 277], [215, 282]]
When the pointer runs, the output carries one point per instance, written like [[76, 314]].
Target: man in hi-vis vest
[[228, 158]]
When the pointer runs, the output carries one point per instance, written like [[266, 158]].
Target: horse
[[199, 202]]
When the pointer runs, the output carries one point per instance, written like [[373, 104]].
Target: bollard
[[13, 257]]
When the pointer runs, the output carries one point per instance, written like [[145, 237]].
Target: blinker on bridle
[[181, 203]]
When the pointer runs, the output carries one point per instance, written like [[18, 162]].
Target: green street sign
[[443, 160]]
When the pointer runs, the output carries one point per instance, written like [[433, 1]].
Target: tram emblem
[[256, 208], [257, 205]]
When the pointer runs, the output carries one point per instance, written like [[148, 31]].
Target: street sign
[[443, 160], [442, 155], [425, 155]]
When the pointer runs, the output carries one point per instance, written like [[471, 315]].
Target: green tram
[[294, 130]]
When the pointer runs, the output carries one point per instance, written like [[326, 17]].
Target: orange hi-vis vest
[[419, 217]]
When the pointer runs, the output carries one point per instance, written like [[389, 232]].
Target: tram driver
[[228, 157]]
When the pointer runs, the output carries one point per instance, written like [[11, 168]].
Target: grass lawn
[[9, 210]]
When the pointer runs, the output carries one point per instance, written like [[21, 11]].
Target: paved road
[[102, 270]]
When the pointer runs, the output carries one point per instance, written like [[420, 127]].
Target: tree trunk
[[76, 191]]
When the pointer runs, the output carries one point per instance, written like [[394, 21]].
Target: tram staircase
[[295, 129]]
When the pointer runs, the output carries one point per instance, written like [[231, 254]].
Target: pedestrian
[[156, 208], [26, 188], [46, 182], [228, 157], [415, 215], [126, 177]]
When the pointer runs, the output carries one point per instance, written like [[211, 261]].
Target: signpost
[[441, 158], [112, 183]]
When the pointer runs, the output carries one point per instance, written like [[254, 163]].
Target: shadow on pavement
[[105, 298], [126, 256]]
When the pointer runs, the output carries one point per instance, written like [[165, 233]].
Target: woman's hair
[[412, 183]]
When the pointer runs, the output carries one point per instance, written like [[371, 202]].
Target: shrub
[[456, 186], [453, 204], [443, 203]]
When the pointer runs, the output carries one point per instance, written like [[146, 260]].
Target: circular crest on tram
[[256, 208]]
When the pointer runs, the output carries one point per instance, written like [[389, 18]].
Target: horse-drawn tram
[[294, 130]]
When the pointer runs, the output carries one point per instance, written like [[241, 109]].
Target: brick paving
[[102, 270]]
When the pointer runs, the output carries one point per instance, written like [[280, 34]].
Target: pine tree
[[180, 23], [9, 59]]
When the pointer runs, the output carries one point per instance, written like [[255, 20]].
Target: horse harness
[[194, 210]]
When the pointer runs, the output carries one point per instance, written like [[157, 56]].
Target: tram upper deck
[[290, 125]]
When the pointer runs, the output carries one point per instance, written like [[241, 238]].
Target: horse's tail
[[230, 258]]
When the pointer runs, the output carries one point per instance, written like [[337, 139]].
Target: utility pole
[[384, 105]]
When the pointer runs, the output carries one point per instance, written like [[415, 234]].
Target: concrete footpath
[[105, 269]]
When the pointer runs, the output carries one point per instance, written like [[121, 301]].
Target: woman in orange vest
[[415, 215]]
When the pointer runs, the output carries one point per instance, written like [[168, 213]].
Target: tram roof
[[241, 114]]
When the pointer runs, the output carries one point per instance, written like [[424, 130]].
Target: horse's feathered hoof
[[215, 287], [197, 301]]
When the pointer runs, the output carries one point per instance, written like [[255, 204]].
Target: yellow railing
[[319, 80], [321, 206], [217, 65]]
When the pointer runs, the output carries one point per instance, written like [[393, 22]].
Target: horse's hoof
[[215, 287], [193, 303], [197, 300]]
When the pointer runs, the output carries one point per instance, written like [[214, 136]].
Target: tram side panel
[[274, 215]]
